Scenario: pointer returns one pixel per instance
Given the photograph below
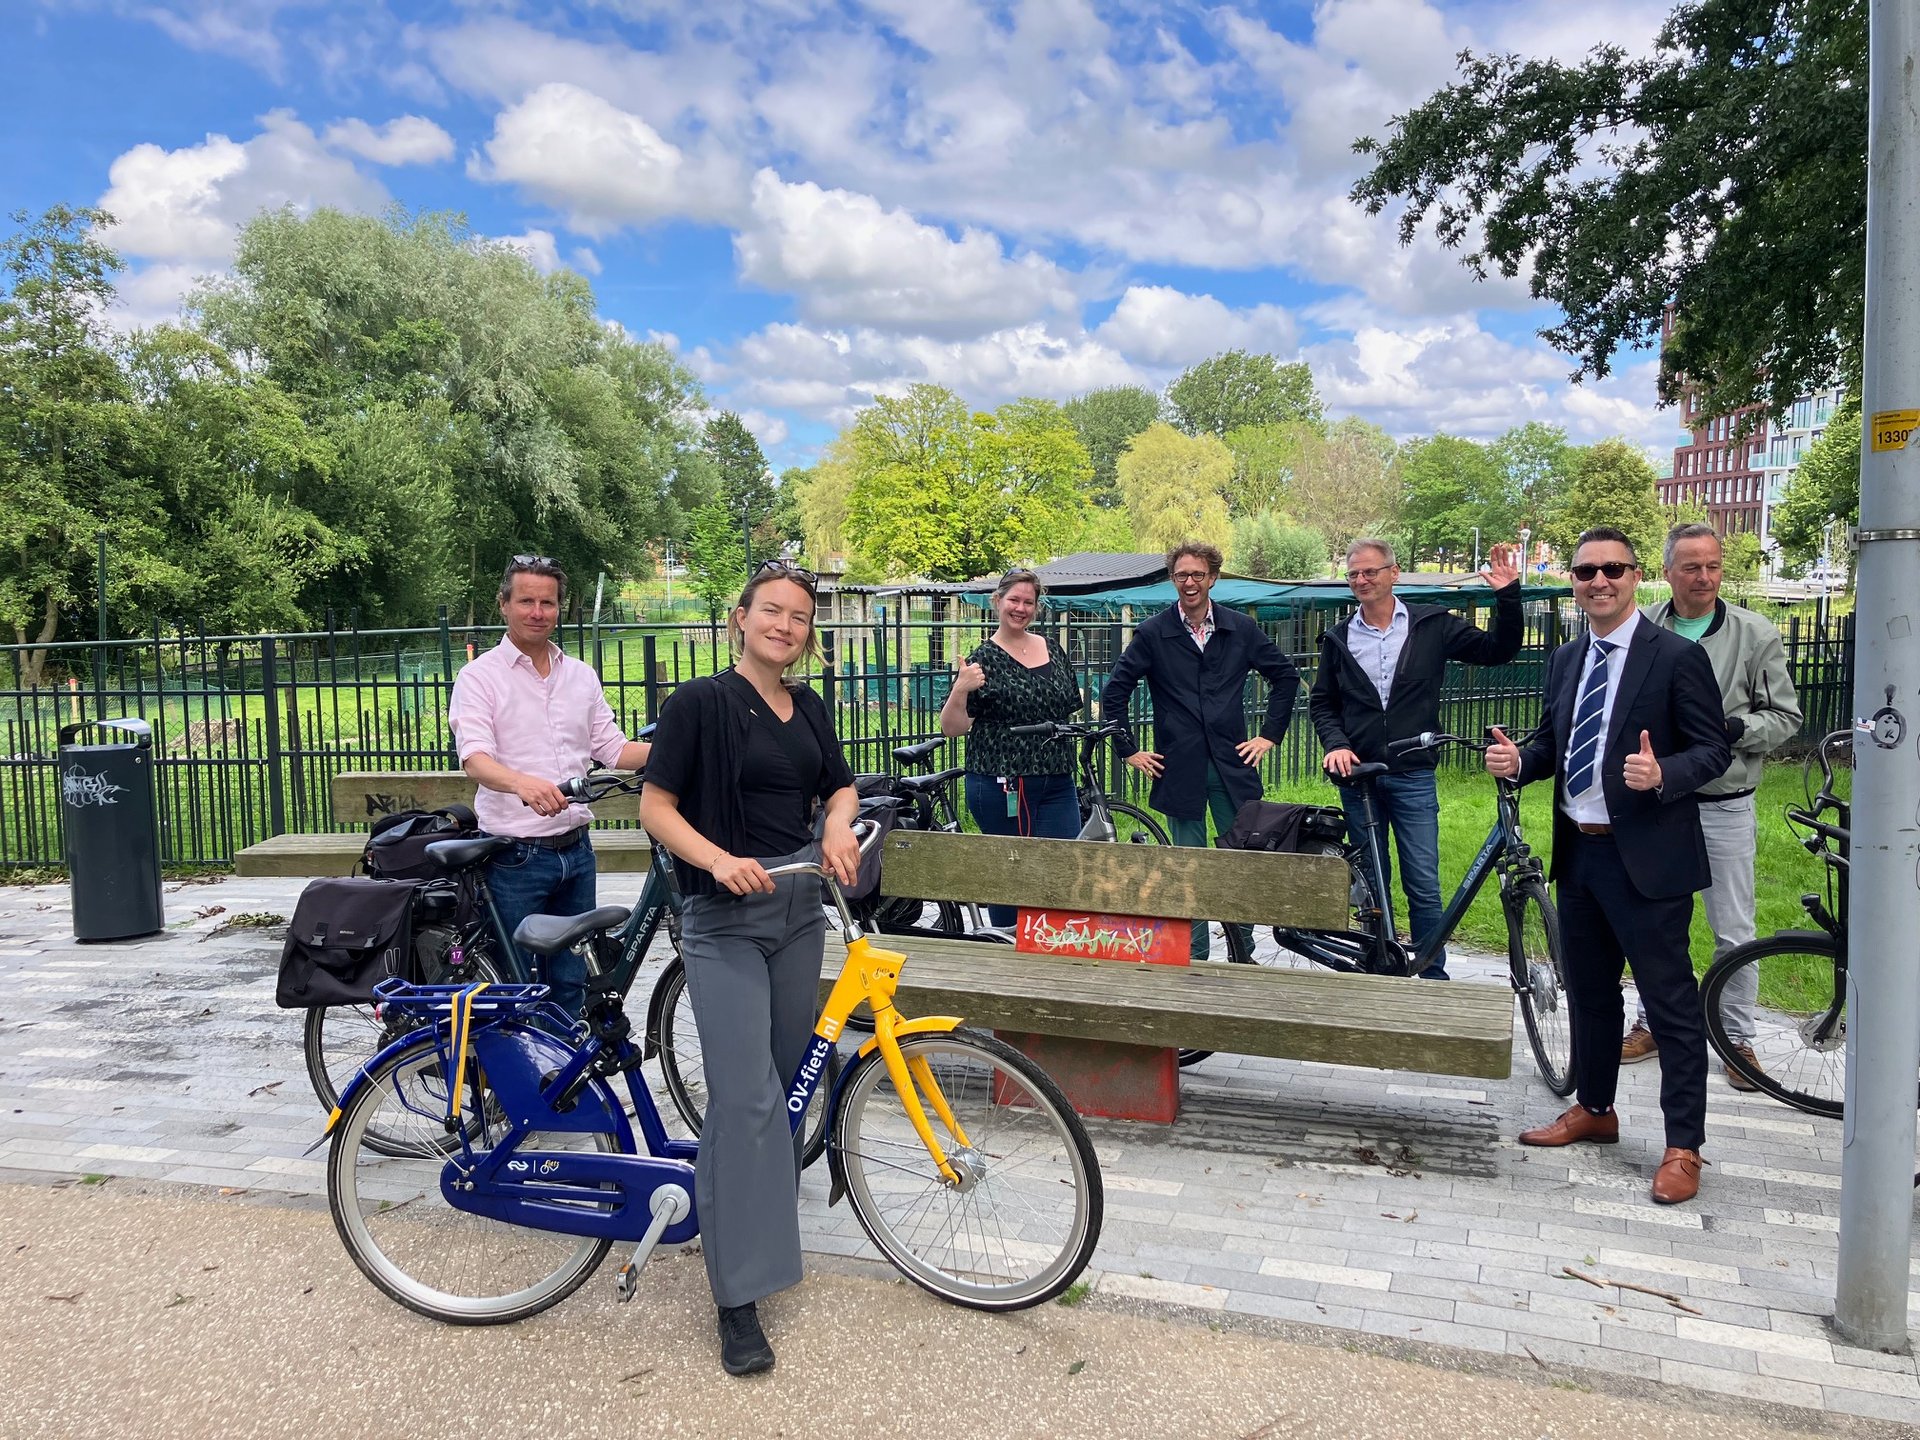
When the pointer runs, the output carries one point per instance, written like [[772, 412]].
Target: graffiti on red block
[[1108, 936]]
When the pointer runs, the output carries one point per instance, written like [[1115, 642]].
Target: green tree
[[716, 556], [1536, 466], [1265, 459], [1271, 546], [1613, 485], [744, 481], [1723, 174], [1174, 487], [1105, 420], [1450, 486], [821, 495], [1822, 493], [1740, 557], [940, 492], [1348, 484], [68, 428], [1235, 389]]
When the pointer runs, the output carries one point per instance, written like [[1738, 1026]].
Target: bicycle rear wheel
[[677, 1038], [387, 1204], [1533, 959], [1023, 1222], [339, 1039], [1133, 826], [1799, 1046]]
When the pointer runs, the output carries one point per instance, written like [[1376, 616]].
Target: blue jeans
[[1193, 833], [1408, 805], [1048, 807], [531, 880]]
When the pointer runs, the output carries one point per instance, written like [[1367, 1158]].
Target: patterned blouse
[[1017, 695]]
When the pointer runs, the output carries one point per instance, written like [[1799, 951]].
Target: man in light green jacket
[[1763, 713]]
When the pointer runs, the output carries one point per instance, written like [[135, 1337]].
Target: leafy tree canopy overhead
[[1237, 388], [1725, 173]]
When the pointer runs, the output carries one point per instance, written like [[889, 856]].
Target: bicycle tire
[[1017, 1119], [1539, 980], [1356, 937], [1145, 829], [1801, 1061], [440, 1262], [338, 1040], [677, 1039]]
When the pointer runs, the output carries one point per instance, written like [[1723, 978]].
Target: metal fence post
[[276, 780]]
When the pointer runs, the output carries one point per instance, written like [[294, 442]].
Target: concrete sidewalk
[[180, 1313], [1380, 1209]]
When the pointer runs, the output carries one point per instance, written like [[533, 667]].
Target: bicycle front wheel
[[1134, 826], [677, 1039], [1533, 959], [444, 1263], [1799, 1047], [1023, 1221], [339, 1039]]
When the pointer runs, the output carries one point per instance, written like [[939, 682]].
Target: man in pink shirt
[[525, 716]]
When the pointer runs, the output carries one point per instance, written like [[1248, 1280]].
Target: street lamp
[[1526, 555], [1476, 547]]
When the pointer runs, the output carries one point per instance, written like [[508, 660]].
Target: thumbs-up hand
[[1503, 756], [1643, 770], [971, 676]]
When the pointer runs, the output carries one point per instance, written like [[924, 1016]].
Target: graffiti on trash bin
[[80, 789]]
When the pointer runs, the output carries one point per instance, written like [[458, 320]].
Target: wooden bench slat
[[1390, 1023], [358, 797], [1237, 886], [616, 852]]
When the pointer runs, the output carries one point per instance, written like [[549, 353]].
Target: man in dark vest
[[1379, 680], [1195, 657]]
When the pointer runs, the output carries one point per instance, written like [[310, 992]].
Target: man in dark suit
[[1633, 729], [1195, 657]]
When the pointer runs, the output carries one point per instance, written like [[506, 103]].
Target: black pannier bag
[[346, 937], [397, 844], [1278, 825]]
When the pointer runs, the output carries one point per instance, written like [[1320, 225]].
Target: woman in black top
[[1016, 784], [741, 762]]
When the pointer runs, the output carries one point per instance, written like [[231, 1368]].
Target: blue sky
[[815, 203]]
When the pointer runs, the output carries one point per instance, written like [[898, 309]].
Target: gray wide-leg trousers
[[753, 970]]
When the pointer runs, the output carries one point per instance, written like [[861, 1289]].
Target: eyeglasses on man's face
[[1191, 577], [1612, 569], [1372, 572]]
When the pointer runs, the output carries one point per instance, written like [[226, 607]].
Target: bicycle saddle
[[1364, 771], [921, 784], [919, 754], [462, 854], [550, 934]]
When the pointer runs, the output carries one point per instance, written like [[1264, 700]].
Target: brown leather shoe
[[1735, 1078], [1576, 1124], [1638, 1046], [1678, 1177]]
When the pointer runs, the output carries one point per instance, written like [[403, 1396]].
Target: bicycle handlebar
[[587, 788], [869, 835], [1068, 729], [1432, 740]]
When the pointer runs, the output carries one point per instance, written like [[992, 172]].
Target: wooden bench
[[1391, 1023], [357, 797]]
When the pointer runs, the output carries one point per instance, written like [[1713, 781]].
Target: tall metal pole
[[100, 651], [1883, 996]]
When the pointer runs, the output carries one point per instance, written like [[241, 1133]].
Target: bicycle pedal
[[626, 1280]]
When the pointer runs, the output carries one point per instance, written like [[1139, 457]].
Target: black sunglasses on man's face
[[1612, 569]]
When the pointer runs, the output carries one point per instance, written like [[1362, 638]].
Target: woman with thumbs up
[[1016, 784]]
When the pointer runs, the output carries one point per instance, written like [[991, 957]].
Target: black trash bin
[[108, 808]]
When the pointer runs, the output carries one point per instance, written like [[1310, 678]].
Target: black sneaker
[[743, 1345]]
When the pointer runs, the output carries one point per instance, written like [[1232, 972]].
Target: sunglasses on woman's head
[[1612, 569], [786, 571]]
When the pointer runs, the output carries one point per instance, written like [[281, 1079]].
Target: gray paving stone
[[1750, 1386], [1549, 1351], [1284, 1307]]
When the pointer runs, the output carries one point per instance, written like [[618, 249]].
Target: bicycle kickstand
[[670, 1204]]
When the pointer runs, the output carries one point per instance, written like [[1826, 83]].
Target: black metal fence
[[249, 730]]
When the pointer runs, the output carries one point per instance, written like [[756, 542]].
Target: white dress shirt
[[1377, 652], [1589, 807]]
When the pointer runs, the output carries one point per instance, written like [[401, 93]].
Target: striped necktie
[[1583, 745]]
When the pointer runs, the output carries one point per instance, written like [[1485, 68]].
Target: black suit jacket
[[1667, 689], [1199, 704]]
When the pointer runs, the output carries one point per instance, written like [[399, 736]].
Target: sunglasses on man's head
[[785, 570], [1612, 569], [535, 562]]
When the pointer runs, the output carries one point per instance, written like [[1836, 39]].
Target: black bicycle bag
[[346, 937], [397, 844], [1284, 827]]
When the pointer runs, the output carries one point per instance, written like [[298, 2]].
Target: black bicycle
[[1102, 816], [1370, 946]]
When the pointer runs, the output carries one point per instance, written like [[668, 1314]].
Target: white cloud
[[242, 29], [1160, 326], [850, 261], [769, 430], [585, 261], [188, 204], [539, 246], [600, 165], [404, 140]]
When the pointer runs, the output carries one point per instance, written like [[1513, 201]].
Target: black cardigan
[[697, 754]]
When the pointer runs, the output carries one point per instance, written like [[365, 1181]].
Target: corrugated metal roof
[[1101, 568]]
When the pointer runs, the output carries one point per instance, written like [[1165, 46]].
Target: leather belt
[[1586, 828], [565, 840]]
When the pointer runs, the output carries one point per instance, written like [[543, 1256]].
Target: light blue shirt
[[1377, 652]]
